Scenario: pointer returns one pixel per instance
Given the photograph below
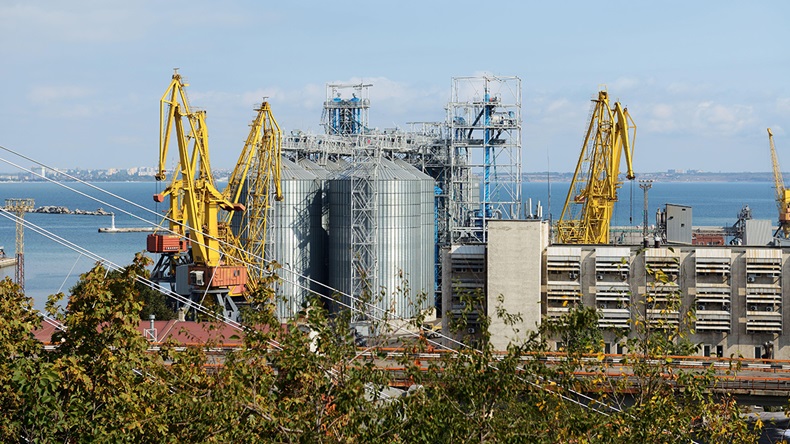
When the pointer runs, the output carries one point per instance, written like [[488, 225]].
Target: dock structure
[[7, 262], [113, 229], [127, 230]]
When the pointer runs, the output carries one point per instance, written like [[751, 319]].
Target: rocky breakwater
[[52, 209]]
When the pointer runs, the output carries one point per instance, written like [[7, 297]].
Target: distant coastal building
[[143, 171], [39, 171]]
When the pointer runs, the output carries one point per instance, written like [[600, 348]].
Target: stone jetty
[[53, 209]]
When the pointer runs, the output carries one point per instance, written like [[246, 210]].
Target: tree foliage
[[307, 382]]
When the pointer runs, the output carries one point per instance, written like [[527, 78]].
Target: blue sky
[[80, 80]]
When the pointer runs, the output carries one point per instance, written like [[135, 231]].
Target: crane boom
[[587, 213], [782, 194]]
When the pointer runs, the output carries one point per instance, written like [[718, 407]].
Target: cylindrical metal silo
[[298, 238], [402, 270], [427, 229], [324, 172], [339, 234]]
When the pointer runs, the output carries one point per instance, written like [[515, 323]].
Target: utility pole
[[19, 207], [645, 185]]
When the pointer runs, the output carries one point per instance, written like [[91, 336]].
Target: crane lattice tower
[[19, 207]]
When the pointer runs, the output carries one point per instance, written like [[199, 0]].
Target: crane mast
[[782, 194], [587, 213], [19, 207]]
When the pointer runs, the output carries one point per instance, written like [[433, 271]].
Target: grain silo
[[324, 172], [397, 232], [428, 226], [298, 239]]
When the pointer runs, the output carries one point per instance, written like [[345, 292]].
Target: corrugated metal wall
[[405, 237], [298, 238]]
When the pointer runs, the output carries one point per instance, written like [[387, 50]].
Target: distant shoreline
[[663, 177], [542, 176]]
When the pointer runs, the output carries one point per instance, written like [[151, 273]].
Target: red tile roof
[[180, 332]]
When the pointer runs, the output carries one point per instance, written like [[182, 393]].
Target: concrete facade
[[514, 275], [735, 294]]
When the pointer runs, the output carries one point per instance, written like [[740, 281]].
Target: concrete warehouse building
[[736, 293]]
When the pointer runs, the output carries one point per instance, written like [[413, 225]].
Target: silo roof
[[412, 169], [387, 170], [314, 168], [292, 171]]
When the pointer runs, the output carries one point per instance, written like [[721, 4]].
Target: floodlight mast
[[19, 207]]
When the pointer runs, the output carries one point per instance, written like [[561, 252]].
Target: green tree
[[154, 302], [19, 350], [307, 382]]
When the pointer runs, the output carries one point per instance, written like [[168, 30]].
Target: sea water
[[59, 247], [54, 265], [715, 204]]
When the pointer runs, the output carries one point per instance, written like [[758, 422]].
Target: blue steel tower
[[346, 116], [485, 155]]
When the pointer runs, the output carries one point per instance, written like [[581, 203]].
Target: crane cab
[[165, 243]]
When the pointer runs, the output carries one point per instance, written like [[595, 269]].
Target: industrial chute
[[587, 213]]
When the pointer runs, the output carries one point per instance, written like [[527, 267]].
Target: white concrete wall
[[515, 250]]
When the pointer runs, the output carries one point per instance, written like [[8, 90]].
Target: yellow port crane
[[214, 272], [255, 178], [587, 212], [224, 257], [782, 194]]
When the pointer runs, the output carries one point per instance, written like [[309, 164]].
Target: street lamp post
[[645, 185]]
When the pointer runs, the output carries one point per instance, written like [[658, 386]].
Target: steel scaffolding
[[346, 116], [484, 120], [474, 157], [364, 222]]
